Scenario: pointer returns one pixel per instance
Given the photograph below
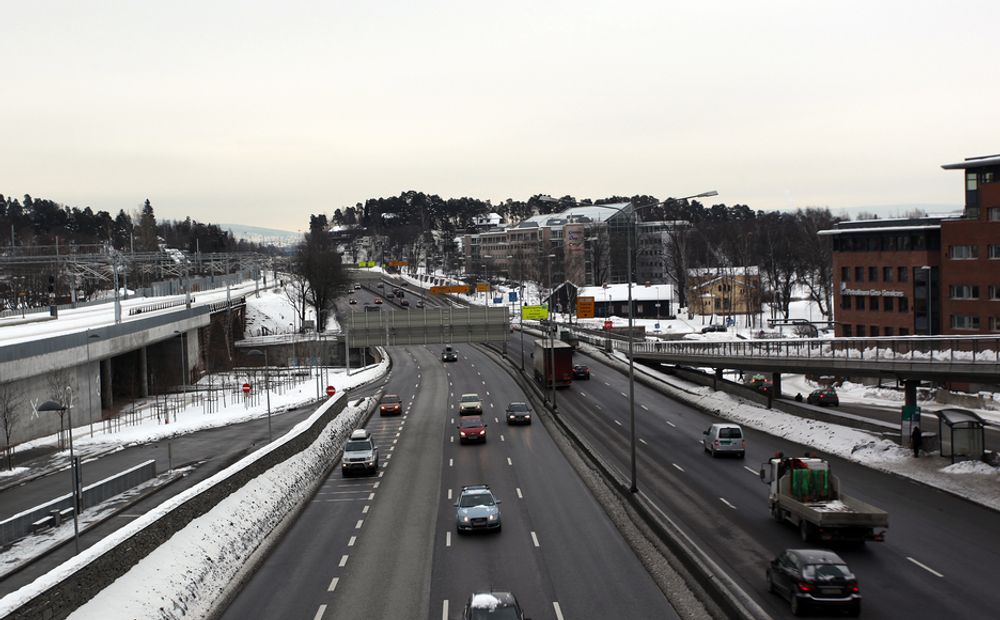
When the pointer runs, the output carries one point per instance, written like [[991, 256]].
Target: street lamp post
[[631, 362], [552, 331], [267, 385], [51, 405]]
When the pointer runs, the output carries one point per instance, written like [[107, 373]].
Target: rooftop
[[974, 162]]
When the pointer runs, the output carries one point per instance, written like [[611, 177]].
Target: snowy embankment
[[185, 576]]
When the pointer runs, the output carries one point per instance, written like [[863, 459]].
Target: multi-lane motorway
[[396, 550]]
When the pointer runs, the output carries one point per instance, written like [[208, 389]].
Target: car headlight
[[465, 519], [482, 432], [493, 517], [462, 433]]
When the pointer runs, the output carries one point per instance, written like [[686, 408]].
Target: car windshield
[[356, 446], [499, 613], [826, 572], [730, 433], [470, 398], [390, 399], [517, 407], [471, 422], [476, 499]]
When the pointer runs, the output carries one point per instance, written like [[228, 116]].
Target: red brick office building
[[931, 275]]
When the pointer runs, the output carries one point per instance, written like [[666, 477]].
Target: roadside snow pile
[[970, 467], [13, 472], [185, 576]]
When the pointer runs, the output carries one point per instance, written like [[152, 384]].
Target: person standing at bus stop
[[916, 440]]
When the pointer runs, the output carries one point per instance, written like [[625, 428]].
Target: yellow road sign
[[584, 307], [534, 313], [444, 290]]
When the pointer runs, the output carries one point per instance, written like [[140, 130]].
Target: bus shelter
[[961, 434]]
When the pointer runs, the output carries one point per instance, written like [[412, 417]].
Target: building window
[[904, 274], [874, 331], [845, 274], [859, 274], [845, 302], [904, 304], [859, 303], [963, 291], [964, 321], [904, 331], [887, 304], [861, 331], [888, 331], [970, 181], [873, 303], [962, 252], [873, 274], [995, 292], [995, 323], [847, 331], [994, 250], [887, 274], [993, 214]]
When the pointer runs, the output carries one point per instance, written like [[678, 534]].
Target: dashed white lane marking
[[364, 510], [534, 539], [555, 605], [452, 438], [388, 456], [606, 383], [343, 561], [508, 461], [333, 584], [671, 424], [644, 407], [447, 539], [723, 500], [444, 610], [643, 441], [618, 423], [754, 472], [451, 462], [925, 567], [449, 493], [679, 468], [519, 496], [394, 441], [584, 394], [320, 612], [375, 485], [624, 395], [354, 539], [487, 391], [416, 385], [391, 448], [358, 525], [371, 496], [496, 419]]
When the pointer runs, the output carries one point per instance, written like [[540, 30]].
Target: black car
[[814, 578], [518, 413], [493, 606], [713, 328], [581, 372], [824, 396], [449, 355]]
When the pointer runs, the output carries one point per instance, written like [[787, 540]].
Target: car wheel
[[776, 513], [805, 531]]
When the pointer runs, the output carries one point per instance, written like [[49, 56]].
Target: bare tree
[[10, 413], [816, 271], [297, 291]]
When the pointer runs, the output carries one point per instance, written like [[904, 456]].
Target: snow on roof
[[842, 231], [739, 270], [584, 214], [619, 292]]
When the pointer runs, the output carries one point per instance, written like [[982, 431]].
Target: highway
[[931, 564], [386, 547]]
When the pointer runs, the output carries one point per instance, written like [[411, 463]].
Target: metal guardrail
[[955, 357], [20, 525], [160, 306]]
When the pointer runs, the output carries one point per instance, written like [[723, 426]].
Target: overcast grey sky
[[264, 112]]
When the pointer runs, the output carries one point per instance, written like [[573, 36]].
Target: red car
[[471, 428], [378, 300], [390, 405]]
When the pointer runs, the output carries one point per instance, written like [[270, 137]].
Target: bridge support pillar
[[776, 384], [107, 398], [143, 373], [716, 377], [911, 413]]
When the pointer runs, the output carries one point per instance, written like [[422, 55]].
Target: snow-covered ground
[[274, 312]]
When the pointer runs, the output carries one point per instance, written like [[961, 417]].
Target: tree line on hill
[[784, 245], [45, 222]]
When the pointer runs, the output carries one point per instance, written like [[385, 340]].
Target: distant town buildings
[[929, 275], [724, 290]]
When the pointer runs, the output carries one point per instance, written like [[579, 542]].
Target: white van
[[725, 439]]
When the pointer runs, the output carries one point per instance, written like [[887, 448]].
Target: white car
[[470, 404], [725, 439]]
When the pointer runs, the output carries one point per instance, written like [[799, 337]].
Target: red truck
[[559, 352]]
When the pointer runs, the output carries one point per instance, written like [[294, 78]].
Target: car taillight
[[854, 588], [805, 587], [716, 443]]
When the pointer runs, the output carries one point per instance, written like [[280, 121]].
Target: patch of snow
[[970, 467]]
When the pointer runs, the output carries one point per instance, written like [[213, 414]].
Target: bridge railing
[[945, 349]]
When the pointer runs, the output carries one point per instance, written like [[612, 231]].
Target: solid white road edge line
[[754, 472]]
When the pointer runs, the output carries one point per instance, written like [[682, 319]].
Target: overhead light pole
[[633, 487], [51, 405], [552, 341]]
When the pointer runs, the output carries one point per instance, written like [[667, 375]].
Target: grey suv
[[360, 454]]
